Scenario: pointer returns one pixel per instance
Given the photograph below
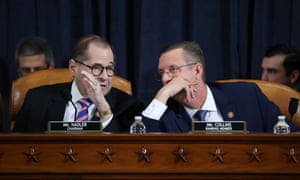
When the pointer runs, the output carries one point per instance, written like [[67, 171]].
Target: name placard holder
[[74, 127], [219, 127]]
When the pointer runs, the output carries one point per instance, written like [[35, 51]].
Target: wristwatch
[[105, 113]]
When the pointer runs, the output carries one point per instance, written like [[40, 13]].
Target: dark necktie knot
[[200, 115]]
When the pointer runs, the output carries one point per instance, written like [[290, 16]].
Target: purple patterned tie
[[83, 114]]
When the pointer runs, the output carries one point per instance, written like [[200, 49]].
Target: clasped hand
[[178, 88]]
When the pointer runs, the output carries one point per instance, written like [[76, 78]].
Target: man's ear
[[199, 69], [72, 65], [294, 76]]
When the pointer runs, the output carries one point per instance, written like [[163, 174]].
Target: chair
[[46, 77], [122, 84], [277, 93]]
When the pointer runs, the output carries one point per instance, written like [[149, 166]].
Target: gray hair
[[33, 46], [193, 52]]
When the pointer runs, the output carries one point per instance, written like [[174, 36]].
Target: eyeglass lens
[[98, 69]]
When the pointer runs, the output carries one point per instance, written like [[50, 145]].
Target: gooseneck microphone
[[68, 98]]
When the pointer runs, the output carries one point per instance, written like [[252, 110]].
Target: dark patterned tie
[[83, 114], [200, 115]]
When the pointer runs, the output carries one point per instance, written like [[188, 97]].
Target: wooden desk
[[149, 156]]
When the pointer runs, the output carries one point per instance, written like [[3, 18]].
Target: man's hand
[[178, 88], [94, 92]]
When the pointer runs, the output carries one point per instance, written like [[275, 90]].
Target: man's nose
[[166, 76]]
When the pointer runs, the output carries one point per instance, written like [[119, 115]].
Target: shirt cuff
[[154, 110], [105, 123]]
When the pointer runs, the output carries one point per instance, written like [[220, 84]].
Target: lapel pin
[[230, 115]]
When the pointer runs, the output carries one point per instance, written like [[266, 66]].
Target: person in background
[[92, 66], [33, 54], [281, 64], [185, 96]]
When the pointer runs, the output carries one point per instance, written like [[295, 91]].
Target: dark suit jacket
[[244, 100], [48, 103]]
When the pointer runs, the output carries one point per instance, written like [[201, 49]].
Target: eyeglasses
[[97, 69], [174, 69]]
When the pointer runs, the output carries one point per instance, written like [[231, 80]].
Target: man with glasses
[[33, 54], [89, 97], [185, 96]]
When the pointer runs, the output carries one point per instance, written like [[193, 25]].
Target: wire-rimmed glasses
[[173, 69]]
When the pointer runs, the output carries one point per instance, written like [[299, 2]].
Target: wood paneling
[[168, 156]]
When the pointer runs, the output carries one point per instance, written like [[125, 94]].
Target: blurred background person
[[281, 64], [33, 54]]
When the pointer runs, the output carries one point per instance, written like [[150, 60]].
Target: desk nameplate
[[63, 127], [219, 127]]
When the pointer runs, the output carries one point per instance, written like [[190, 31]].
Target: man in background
[[281, 64], [33, 54]]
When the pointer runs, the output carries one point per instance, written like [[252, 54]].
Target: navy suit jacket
[[244, 100], [48, 103]]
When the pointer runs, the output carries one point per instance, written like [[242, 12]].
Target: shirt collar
[[209, 103], [75, 92]]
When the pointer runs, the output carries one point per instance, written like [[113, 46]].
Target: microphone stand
[[68, 97], [74, 106]]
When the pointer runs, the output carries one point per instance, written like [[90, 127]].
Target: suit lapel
[[58, 102], [183, 121], [187, 125], [226, 107]]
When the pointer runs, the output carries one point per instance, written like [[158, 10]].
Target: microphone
[[68, 98]]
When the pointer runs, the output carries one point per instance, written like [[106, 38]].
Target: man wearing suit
[[185, 93], [92, 65]]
